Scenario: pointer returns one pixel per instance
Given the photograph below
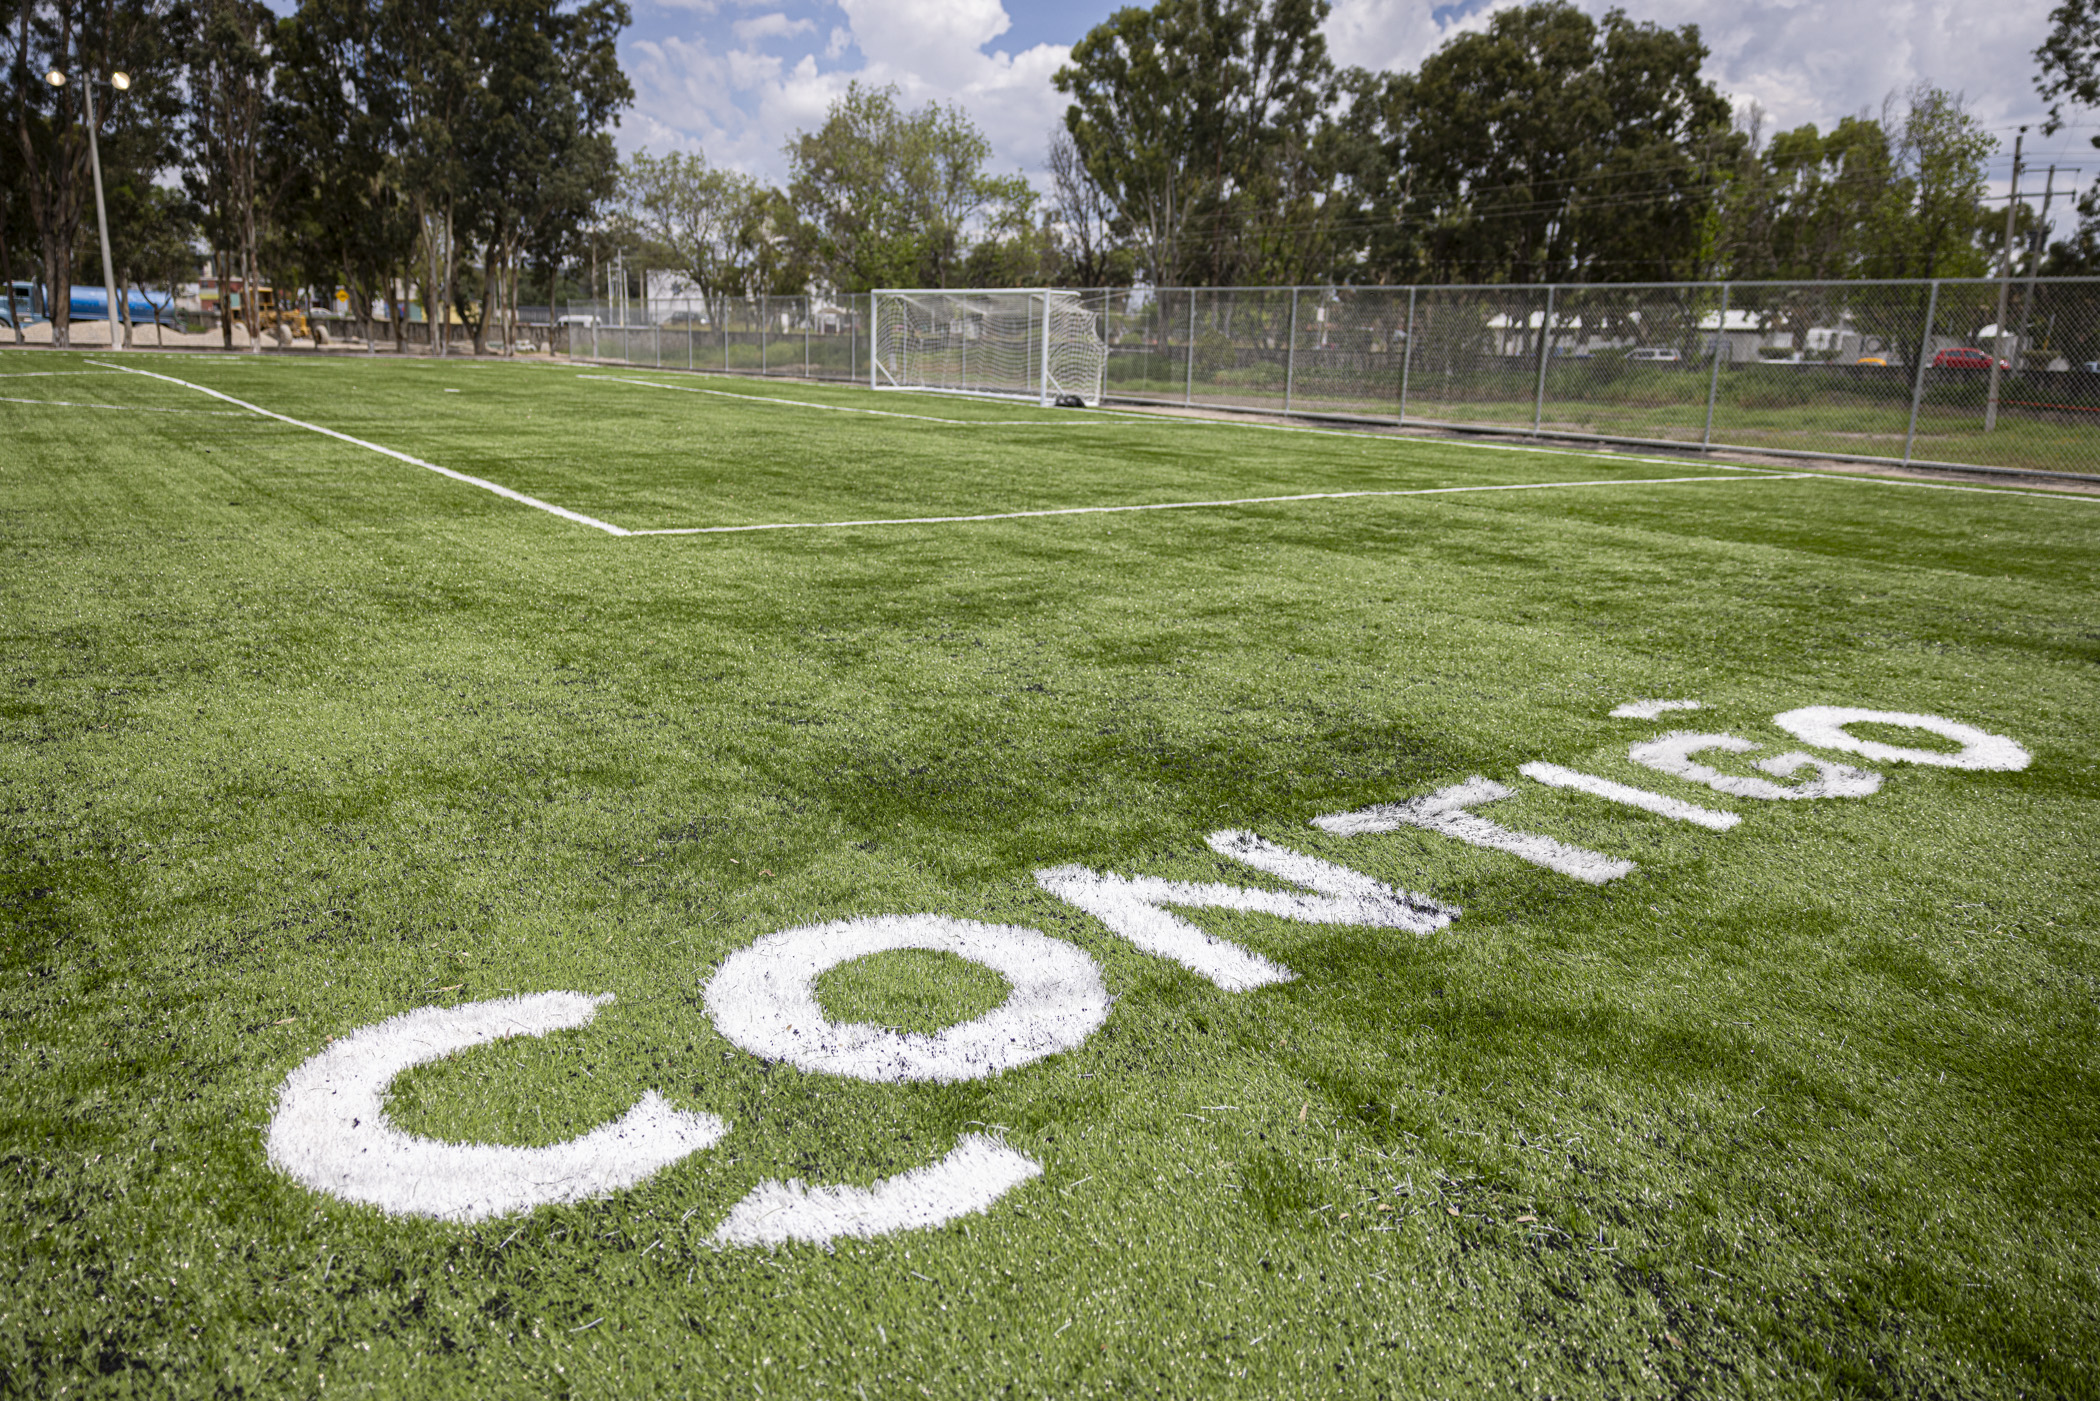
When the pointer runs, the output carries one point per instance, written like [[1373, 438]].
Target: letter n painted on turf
[[1134, 907]]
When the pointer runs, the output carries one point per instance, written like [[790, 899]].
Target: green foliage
[[885, 197], [2070, 62], [1201, 123], [1873, 197], [1549, 147], [704, 222]]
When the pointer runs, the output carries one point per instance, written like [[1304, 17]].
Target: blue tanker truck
[[89, 304]]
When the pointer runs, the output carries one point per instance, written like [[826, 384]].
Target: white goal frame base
[[1037, 343]]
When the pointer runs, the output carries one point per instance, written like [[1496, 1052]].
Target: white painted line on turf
[[1651, 709], [1134, 907], [1672, 754], [974, 1175], [847, 408], [1191, 505], [1554, 776], [52, 374], [1824, 727], [764, 999], [127, 408], [331, 1132], [503, 491], [1173, 420], [1445, 812]]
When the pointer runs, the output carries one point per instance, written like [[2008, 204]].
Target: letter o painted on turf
[[763, 998], [1824, 727]]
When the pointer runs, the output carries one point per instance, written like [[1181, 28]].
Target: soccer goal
[[1033, 343]]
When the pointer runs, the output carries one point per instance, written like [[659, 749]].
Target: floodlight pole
[[2012, 208], [109, 281]]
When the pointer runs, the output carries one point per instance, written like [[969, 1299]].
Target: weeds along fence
[[1897, 372]]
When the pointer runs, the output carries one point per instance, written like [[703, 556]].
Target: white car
[[579, 319], [1659, 355]]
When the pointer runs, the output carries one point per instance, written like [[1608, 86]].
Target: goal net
[[1032, 343]]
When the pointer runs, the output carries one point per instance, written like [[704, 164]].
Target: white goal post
[[1023, 342]]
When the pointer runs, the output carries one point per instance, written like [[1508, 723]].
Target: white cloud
[[938, 42], [1802, 60], [719, 93], [773, 26], [750, 71]]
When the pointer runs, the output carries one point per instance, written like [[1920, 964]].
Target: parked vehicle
[[1655, 355], [28, 303], [91, 304], [1871, 360], [1965, 357]]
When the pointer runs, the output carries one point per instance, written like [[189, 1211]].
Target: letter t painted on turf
[[1445, 811]]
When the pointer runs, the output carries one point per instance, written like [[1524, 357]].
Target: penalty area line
[[500, 490], [1106, 416], [1201, 505]]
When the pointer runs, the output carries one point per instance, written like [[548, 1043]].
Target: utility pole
[[2035, 240], [2012, 207]]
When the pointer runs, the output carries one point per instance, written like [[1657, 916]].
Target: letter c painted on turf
[[331, 1132]]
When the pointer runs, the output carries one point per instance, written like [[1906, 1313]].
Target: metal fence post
[[1290, 355], [805, 337], [689, 345], [1538, 404], [1917, 392], [1188, 395], [765, 314], [1407, 355], [1713, 385]]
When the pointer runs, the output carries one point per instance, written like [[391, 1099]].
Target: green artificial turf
[[299, 737]]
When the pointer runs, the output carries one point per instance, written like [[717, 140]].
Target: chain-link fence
[[1925, 372], [782, 337]]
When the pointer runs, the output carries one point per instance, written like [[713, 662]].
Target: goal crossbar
[[1036, 343]]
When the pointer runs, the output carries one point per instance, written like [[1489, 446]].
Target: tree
[[1550, 147], [1383, 223], [1082, 221], [707, 223], [1941, 155], [547, 89], [1199, 120], [229, 62], [2070, 61], [885, 197], [334, 132]]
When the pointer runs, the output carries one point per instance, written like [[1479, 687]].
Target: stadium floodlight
[[121, 82], [1025, 342]]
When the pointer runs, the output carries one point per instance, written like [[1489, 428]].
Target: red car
[[1965, 357]]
